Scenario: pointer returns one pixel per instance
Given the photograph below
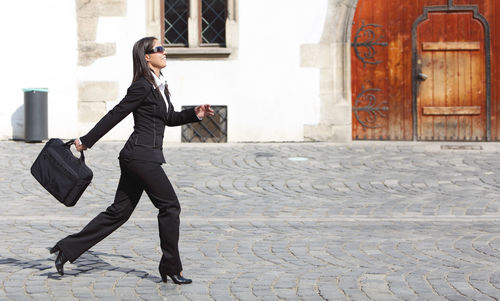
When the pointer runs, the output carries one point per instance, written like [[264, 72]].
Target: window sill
[[199, 52]]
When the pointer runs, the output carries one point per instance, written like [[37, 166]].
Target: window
[[194, 27], [175, 27], [213, 22]]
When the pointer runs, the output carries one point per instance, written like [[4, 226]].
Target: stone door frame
[[332, 55]]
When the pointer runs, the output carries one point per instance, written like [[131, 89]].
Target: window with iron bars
[[198, 26], [210, 129]]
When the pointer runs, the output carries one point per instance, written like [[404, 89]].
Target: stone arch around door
[[387, 56], [332, 57]]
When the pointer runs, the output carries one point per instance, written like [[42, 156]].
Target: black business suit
[[140, 164]]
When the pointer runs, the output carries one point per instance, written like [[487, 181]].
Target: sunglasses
[[156, 50]]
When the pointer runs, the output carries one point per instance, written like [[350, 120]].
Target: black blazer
[[150, 117]]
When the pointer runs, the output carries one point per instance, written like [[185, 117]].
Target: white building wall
[[38, 49], [270, 97]]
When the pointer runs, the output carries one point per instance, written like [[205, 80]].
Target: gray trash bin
[[35, 114]]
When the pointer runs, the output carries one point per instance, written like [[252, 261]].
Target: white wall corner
[[315, 55], [339, 114], [326, 132]]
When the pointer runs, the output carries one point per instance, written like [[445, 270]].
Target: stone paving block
[[20, 297], [41, 296], [245, 296], [35, 289], [456, 298]]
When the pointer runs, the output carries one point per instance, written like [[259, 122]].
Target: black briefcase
[[61, 173]]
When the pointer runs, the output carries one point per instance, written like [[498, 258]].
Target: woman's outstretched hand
[[79, 147], [203, 110]]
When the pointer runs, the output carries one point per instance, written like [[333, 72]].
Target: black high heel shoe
[[60, 259], [177, 279]]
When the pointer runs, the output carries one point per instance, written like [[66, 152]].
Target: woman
[[140, 162]]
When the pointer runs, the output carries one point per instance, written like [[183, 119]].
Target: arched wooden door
[[421, 70], [450, 76]]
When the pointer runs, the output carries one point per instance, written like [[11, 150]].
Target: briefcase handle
[[69, 143]]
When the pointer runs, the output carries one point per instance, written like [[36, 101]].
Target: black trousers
[[136, 177]]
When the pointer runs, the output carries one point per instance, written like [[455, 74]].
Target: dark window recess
[[210, 129], [176, 22], [213, 22]]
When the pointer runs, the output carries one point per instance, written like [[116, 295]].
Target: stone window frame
[[195, 49]]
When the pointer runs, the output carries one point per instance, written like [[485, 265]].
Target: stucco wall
[[39, 49], [270, 93]]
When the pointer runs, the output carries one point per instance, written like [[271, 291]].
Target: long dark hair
[[141, 68]]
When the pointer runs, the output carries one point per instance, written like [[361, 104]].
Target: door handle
[[422, 76]]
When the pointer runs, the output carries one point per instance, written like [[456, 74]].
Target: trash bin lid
[[36, 89]]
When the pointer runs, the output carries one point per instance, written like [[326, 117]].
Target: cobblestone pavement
[[360, 221]]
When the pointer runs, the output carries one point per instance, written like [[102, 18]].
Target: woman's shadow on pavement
[[90, 261]]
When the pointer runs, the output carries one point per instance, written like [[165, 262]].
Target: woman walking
[[140, 160]]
